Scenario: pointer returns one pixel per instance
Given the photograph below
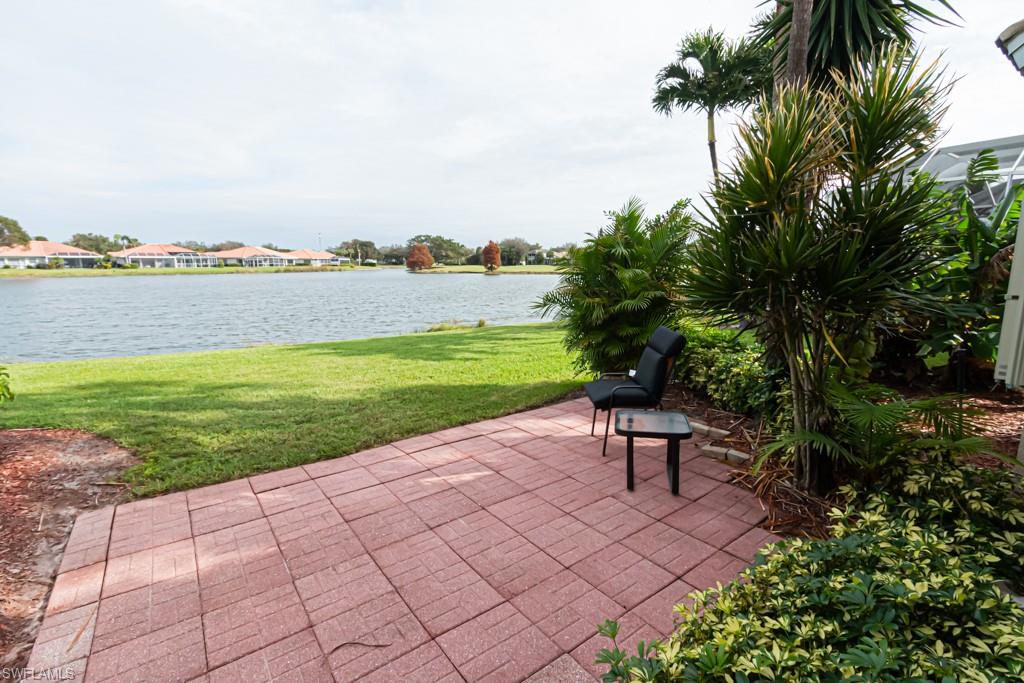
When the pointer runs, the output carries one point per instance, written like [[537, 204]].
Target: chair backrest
[[657, 360]]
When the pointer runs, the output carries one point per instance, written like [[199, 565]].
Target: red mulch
[[47, 476]]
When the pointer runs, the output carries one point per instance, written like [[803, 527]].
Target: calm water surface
[[45, 319]]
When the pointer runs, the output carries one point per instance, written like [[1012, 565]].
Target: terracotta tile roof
[[40, 248], [152, 250], [310, 254], [248, 252]]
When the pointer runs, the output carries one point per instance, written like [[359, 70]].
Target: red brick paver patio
[[488, 552]]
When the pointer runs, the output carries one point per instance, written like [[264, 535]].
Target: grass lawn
[[508, 270], [201, 418], [119, 272]]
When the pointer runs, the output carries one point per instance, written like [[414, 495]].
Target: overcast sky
[[265, 120]]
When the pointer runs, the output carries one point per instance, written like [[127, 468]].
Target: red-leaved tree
[[419, 258], [491, 256]]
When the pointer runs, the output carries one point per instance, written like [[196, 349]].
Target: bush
[[5, 385], [729, 370], [981, 508], [447, 325], [616, 289], [419, 258], [906, 590]]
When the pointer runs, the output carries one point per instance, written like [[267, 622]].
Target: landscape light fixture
[[1011, 42]]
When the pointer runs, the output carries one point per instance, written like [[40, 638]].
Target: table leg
[[629, 463], [673, 465]]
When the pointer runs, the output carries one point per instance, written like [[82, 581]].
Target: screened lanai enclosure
[[949, 166]]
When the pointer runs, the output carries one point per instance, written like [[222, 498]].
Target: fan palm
[[618, 287], [731, 76], [843, 32], [816, 233], [874, 425]]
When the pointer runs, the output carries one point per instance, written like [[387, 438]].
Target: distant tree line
[[443, 250]]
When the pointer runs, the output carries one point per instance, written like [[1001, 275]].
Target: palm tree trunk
[[711, 143], [799, 34]]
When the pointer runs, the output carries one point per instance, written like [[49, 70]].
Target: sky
[[305, 122]]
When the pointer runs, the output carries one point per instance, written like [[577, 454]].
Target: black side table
[[648, 424]]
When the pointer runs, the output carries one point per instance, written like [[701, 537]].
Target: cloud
[[266, 120]]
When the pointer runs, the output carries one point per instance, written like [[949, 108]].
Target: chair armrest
[[608, 375], [611, 397]]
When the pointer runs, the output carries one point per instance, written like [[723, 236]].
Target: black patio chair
[[644, 388]]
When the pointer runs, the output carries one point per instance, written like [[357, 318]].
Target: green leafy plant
[[905, 591], [5, 385], [873, 427], [731, 75], [728, 368], [981, 508], [817, 234], [617, 288], [971, 282]]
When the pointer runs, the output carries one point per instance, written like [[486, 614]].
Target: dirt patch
[[1002, 417], [47, 477]]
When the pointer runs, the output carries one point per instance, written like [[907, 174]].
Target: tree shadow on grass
[[471, 344], [191, 433]]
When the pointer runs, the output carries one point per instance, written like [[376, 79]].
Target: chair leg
[[607, 423], [593, 422]]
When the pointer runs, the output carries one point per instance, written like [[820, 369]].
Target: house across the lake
[[252, 257], [163, 256], [38, 253], [312, 257]]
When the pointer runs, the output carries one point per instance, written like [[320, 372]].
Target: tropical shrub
[[873, 428], [419, 258], [817, 234], [981, 508], [617, 288], [490, 256], [899, 594], [728, 368], [971, 282], [5, 385]]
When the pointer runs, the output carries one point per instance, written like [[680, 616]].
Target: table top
[[656, 424]]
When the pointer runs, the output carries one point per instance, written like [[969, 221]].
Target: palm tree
[[729, 76], [798, 39], [817, 234], [619, 286], [839, 33]]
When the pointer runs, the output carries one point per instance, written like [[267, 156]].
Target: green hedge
[[905, 591], [727, 368]]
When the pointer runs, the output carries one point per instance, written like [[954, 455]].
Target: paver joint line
[[481, 552]]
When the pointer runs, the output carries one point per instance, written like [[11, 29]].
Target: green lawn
[[508, 270], [118, 272], [200, 418]]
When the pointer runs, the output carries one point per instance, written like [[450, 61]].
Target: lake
[[63, 318]]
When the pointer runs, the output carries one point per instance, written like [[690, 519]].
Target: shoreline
[[28, 273], [23, 273], [479, 270]]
